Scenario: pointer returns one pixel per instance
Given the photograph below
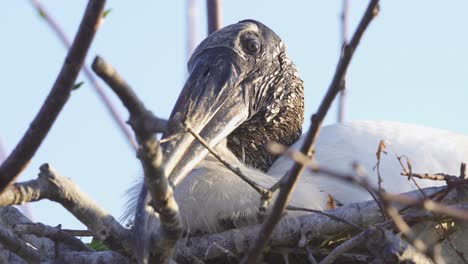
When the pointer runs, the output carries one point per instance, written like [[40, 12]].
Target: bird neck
[[280, 120]]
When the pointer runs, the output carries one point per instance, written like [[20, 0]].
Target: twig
[[150, 156], [88, 74], [213, 8], [58, 96], [54, 187], [428, 205], [54, 233], [192, 26], [265, 193], [344, 41], [346, 246], [307, 147], [78, 233], [333, 217]]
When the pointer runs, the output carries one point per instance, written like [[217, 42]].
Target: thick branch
[[52, 186], [18, 246], [56, 99], [307, 147]]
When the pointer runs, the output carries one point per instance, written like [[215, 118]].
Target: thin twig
[[213, 8], [264, 192], [344, 41], [307, 147], [88, 74], [192, 26], [58, 96], [331, 216], [346, 246]]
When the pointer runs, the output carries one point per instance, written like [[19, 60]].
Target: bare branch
[[56, 99], [80, 257], [54, 233], [331, 216], [18, 246], [151, 159], [54, 187], [307, 147], [344, 42], [87, 72]]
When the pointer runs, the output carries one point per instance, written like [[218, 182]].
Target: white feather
[[211, 192]]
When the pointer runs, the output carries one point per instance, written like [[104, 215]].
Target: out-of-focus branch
[[58, 96], [54, 187], [151, 158], [80, 257], [213, 8], [87, 72], [18, 246], [344, 42], [307, 147], [192, 26], [54, 233]]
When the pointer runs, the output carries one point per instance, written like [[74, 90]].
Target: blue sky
[[411, 66]]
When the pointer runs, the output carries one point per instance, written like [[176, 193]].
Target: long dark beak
[[213, 103]]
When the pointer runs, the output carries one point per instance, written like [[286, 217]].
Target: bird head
[[242, 87]]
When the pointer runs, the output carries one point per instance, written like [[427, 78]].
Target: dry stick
[[78, 233], [54, 233], [213, 8], [87, 72], [58, 96], [307, 147], [444, 230], [344, 247], [344, 41], [192, 26], [391, 211], [151, 159], [333, 217], [50, 185], [18, 246]]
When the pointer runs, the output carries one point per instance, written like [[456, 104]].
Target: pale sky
[[411, 66]]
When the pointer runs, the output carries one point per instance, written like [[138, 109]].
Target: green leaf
[[77, 85], [41, 13], [105, 13], [97, 245]]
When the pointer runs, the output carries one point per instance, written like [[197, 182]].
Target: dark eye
[[251, 45]]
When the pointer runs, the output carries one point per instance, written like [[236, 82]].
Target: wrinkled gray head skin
[[241, 86]]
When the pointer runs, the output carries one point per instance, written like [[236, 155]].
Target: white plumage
[[211, 193]]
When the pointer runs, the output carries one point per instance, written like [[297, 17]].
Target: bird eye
[[251, 45]]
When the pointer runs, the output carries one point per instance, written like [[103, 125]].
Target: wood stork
[[243, 92]]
